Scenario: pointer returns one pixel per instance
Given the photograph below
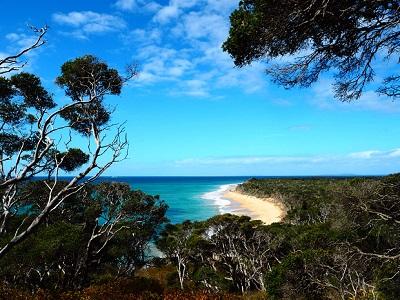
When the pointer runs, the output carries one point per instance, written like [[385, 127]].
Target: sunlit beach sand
[[268, 210]]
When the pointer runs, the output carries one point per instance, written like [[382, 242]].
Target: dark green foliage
[[389, 280], [101, 232], [20, 92], [289, 280], [46, 259], [30, 88], [82, 116], [73, 159], [23, 99], [87, 78], [123, 289], [57, 235], [6, 89], [307, 200], [33, 139], [342, 35], [11, 143], [10, 112], [79, 74], [339, 240], [226, 252]]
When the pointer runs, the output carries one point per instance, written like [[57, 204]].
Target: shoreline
[[268, 210]]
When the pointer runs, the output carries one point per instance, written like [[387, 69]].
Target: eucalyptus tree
[[241, 250], [104, 230], [13, 62], [37, 138], [374, 209], [222, 252], [177, 242], [342, 36]]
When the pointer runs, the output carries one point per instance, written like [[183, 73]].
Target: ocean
[[188, 198]]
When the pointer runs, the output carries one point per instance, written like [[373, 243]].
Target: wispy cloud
[[166, 13], [358, 163], [323, 97], [195, 87], [182, 43], [142, 37], [18, 41], [126, 4], [363, 157], [138, 6], [85, 23], [249, 160], [173, 10], [376, 154]]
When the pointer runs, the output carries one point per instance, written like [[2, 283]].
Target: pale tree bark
[[105, 144], [344, 276], [246, 258], [13, 62]]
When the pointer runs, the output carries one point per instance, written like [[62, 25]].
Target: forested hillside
[[340, 239]]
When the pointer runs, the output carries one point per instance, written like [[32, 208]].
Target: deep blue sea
[[188, 198]]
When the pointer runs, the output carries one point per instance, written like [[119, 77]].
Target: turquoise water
[[188, 198]]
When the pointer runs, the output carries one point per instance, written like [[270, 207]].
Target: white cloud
[[126, 4], [159, 69], [162, 64], [364, 162], [138, 6], [12, 36], [195, 87], [142, 37], [16, 43], [376, 154], [191, 36], [184, 3], [20, 39], [178, 67], [323, 97], [166, 13], [152, 6], [365, 154], [174, 9], [199, 25], [359, 156], [394, 153], [88, 22], [246, 160]]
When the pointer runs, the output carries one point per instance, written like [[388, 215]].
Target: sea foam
[[217, 196]]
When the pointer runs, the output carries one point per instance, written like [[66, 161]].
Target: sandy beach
[[268, 210]]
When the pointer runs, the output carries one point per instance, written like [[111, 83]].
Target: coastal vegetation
[[101, 232], [339, 240]]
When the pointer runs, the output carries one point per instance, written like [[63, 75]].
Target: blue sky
[[190, 111]]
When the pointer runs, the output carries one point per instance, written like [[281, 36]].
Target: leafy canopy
[[344, 36]]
